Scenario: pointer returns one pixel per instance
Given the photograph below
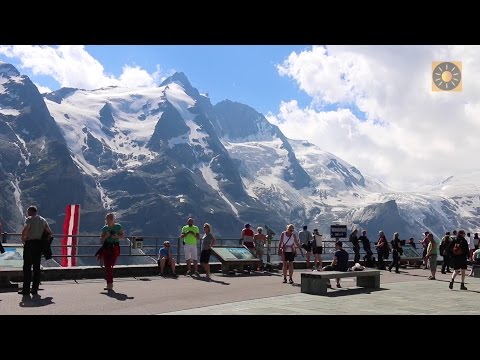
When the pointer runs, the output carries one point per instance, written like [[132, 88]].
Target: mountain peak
[[179, 78], [8, 70], [60, 94]]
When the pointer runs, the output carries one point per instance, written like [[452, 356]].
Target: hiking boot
[[463, 287], [284, 280], [197, 273], [290, 281], [431, 278], [338, 286], [450, 285]]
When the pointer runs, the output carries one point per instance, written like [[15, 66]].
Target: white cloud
[[136, 76], [42, 89], [73, 66], [411, 135]]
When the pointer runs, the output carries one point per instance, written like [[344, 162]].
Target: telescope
[[270, 232]]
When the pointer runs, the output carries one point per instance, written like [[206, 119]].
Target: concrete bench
[[476, 269], [315, 283]]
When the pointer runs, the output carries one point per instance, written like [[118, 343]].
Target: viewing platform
[[406, 293]]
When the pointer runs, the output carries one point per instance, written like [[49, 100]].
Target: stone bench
[[315, 283], [476, 269]]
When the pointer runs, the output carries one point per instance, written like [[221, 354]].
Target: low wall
[[15, 275]]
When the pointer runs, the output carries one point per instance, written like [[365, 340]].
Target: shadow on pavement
[[35, 301], [212, 280], [250, 274], [350, 291], [118, 296]]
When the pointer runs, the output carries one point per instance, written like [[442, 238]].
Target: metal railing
[[151, 245]]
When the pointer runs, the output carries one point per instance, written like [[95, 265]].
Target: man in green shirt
[[190, 235]]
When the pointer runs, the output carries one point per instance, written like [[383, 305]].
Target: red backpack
[[457, 249]]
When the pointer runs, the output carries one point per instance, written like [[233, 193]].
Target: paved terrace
[[406, 293]]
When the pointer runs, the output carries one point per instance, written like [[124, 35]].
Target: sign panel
[[338, 231], [410, 252], [12, 257], [233, 253]]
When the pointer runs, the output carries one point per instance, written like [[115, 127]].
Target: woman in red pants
[[112, 232]]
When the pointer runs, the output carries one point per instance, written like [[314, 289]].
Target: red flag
[[70, 227]]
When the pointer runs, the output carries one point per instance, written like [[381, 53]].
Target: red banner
[[70, 227]]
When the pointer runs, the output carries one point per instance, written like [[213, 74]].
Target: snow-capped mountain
[[158, 155], [36, 165]]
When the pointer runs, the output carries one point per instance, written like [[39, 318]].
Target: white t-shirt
[[318, 240], [471, 245]]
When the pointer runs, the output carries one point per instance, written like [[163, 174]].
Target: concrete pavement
[[406, 293]]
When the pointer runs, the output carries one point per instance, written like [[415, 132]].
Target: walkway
[[406, 293]]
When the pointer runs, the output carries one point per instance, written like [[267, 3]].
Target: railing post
[[178, 250], [4, 237]]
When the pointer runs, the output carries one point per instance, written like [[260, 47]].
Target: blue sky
[[246, 74]]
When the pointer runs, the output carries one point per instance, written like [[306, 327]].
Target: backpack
[[457, 249]]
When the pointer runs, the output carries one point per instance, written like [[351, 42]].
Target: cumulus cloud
[[408, 135], [73, 66], [42, 89]]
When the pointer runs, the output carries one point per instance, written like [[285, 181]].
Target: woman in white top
[[287, 249], [317, 249]]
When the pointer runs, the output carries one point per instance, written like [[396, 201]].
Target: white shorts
[[190, 252]]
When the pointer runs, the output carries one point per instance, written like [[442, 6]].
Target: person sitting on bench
[[339, 263]]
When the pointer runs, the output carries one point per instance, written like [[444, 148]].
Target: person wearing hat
[[165, 258], [246, 237]]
